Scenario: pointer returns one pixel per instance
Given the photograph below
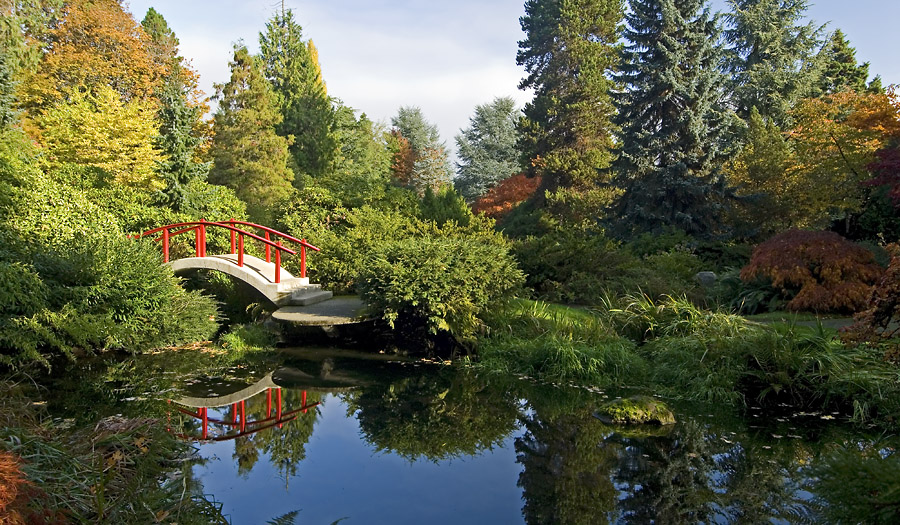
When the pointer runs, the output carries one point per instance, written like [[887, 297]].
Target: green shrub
[[578, 266], [445, 206], [442, 283]]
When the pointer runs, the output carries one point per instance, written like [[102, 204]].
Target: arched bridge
[[265, 275]]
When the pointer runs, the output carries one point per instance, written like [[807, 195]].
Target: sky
[[444, 57]]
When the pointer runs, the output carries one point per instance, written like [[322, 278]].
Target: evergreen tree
[[671, 119], [569, 50], [248, 156], [487, 148], [427, 163], [179, 117], [292, 67], [841, 70], [774, 61], [7, 114], [361, 171]]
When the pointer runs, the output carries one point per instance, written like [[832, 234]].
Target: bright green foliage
[[439, 283], [296, 80], [570, 48], [672, 120], [362, 167], [761, 172], [444, 206], [429, 166], [346, 237], [98, 129], [178, 117], [841, 71], [487, 148], [248, 156], [774, 61]]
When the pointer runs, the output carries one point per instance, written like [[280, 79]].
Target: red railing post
[[205, 422], [277, 262], [278, 406], [268, 402], [303, 259], [202, 247], [303, 401], [268, 249], [165, 241], [243, 416], [233, 247], [240, 250]]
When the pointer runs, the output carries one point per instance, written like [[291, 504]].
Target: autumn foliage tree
[[818, 271], [96, 43], [880, 321], [506, 195]]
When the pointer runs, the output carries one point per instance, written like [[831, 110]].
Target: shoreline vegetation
[[571, 246]]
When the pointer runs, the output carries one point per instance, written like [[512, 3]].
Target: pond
[[328, 436]]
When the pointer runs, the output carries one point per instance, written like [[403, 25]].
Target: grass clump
[[546, 341]]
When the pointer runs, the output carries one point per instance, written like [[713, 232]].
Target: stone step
[[308, 295]]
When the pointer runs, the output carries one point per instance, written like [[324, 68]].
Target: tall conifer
[[292, 67], [841, 70], [180, 115], [248, 156], [774, 60], [570, 47], [671, 119]]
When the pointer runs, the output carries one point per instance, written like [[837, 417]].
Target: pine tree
[[292, 67], [671, 119], [427, 158], [774, 62], [487, 148], [248, 156], [569, 49], [179, 116], [841, 70]]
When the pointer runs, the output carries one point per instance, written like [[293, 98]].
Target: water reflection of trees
[[435, 414], [578, 470], [284, 445]]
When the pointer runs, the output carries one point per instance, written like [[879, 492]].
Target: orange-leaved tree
[[96, 43], [506, 195], [817, 271], [880, 321]]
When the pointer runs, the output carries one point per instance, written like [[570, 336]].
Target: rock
[[636, 410], [706, 279]]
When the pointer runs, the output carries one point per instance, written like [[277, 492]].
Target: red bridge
[[265, 275]]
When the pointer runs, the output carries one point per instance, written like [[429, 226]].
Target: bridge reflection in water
[[241, 423]]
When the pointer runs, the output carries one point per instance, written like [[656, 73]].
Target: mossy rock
[[636, 410]]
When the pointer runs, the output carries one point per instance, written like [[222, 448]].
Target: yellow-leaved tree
[[96, 128]]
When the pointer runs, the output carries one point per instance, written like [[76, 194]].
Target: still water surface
[[328, 436]]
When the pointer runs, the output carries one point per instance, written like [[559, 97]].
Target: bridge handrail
[[237, 241], [195, 225], [266, 229]]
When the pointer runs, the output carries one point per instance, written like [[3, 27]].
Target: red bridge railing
[[237, 240]]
